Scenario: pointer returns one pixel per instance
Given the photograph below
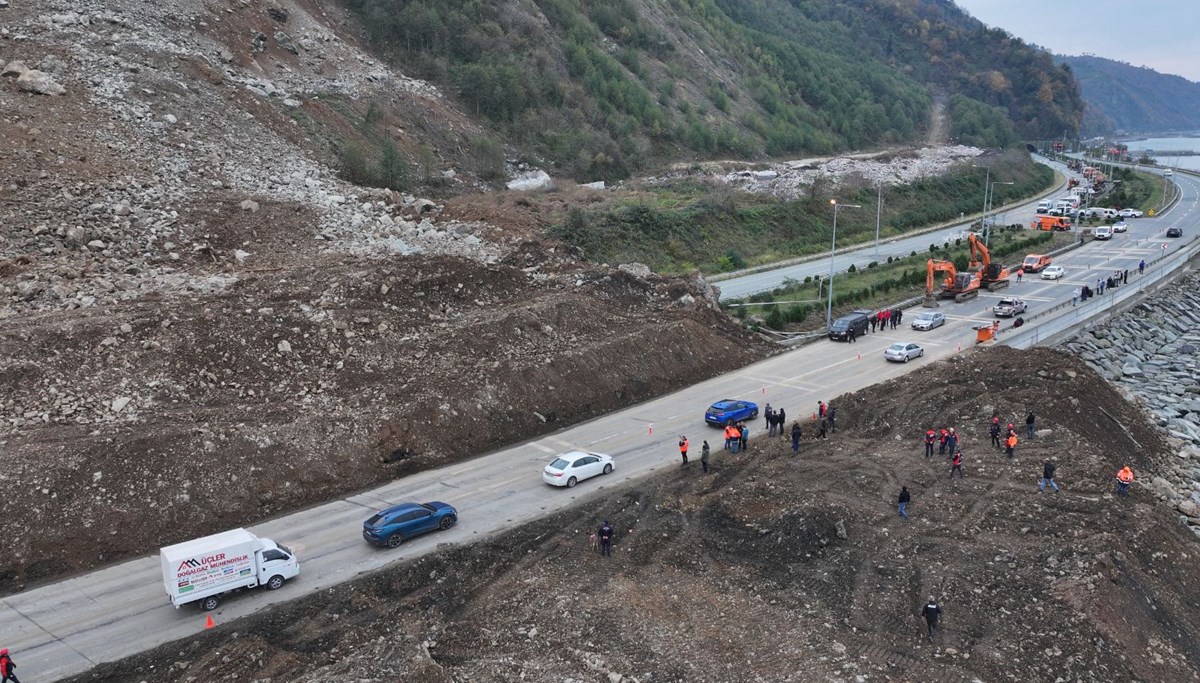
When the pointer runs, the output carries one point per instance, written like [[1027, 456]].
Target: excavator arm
[[932, 267], [980, 257]]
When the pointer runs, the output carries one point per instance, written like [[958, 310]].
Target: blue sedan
[[723, 412], [396, 524]]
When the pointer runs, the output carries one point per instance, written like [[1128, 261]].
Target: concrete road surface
[[67, 627], [745, 285]]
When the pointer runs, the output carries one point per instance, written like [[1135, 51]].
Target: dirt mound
[[783, 567], [296, 382]]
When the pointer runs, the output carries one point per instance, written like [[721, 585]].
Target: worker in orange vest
[[930, 437], [1010, 444], [728, 434], [1124, 480], [683, 446]]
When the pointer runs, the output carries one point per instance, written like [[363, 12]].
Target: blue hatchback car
[[728, 410], [396, 524]]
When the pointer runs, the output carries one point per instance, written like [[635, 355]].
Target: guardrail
[[1098, 308]]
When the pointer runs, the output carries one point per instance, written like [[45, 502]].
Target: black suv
[[1174, 232], [858, 321]]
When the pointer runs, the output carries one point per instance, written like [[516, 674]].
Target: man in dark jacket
[[994, 431], [606, 535], [1048, 477], [903, 501], [796, 434], [932, 614], [832, 414], [7, 668], [1029, 420]]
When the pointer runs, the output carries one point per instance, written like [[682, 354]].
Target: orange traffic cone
[[209, 623]]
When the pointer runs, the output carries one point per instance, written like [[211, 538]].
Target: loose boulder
[[39, 82]]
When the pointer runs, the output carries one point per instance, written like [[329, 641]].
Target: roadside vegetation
[[800, 306], [689, 225], [1133, 190]]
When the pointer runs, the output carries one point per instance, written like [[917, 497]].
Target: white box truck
[[202, 569]]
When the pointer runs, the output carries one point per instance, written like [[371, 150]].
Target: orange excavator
[[994, 276], [962, 286]]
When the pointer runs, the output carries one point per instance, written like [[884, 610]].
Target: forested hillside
[[601, 88], [1134, 99]]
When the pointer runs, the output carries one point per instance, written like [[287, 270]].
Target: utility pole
[[878, 216]]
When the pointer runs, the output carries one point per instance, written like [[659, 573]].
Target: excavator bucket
[[931, 302]]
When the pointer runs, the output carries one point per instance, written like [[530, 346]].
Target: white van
[[1103, 232]]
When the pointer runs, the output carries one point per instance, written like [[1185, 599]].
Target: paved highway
[[69, 626], [745, 285]]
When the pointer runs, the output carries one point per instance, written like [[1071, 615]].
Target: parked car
[[1129, 213], [927, 320], [728, 410], [1053, 273], [856, 321], [902, 352], [1008, 307], [1174, 232], [571, 468], [1103, 232], [1122, 226], [398, 523], [1169, 173]]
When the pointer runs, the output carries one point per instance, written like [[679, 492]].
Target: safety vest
[[945, 435], [1012, 441], [683, 444], [729, 432], [930, 436], [1125, 475]]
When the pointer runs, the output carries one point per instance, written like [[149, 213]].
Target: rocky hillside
[[190, 295]]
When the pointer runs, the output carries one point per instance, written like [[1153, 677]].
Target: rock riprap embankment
[[1152, 351]]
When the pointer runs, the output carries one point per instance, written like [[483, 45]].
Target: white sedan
[[1053, 273], [1121, 227], [571, 468], [902, 352], [1129, 213]]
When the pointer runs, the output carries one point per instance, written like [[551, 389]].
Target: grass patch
[[800, 306]]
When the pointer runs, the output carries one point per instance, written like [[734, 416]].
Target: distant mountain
[[1134, 99]]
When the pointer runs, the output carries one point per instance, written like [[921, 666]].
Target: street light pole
[[986, 189], [987, 235], [878, 216], [832, 249]]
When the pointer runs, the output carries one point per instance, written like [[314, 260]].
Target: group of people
[[775, 420], [1119, 277], [886, 318]]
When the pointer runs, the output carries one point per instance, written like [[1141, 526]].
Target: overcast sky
[[1161, 34]]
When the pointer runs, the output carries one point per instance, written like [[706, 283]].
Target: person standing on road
[[606, 535], [745, 436], [850, 334], [1020, 274], [704, 457], [768, 415], [832, 414], [899, 315], [735, 438], [1124, 277], [7, 667], [1029, 425], [728, 434], [930, 437], [1142, 267], [903, 501], [932, 614], [1074, 298], [874, 321], [796, 434], [1010, 445], [781, 419], [994, 431], [1047, 477], [683, 448], [956, 465]]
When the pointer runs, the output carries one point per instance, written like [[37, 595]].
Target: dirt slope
[[781, 567], [201, 323]]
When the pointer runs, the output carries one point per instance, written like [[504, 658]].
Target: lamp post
[[987, 179], [878, 216], [987, 235], [832, 249]]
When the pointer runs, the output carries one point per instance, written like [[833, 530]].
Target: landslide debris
[[787, 567]]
